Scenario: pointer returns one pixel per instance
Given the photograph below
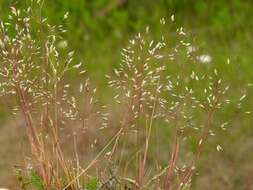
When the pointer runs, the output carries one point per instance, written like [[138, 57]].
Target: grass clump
[[163, 84]]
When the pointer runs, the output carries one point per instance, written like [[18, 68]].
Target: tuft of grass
[[161, 83]]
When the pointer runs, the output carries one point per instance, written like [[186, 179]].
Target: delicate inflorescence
[[158, 82]]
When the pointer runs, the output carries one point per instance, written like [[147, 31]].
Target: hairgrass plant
[[167, 94]]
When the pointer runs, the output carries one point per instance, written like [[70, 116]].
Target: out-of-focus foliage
[[101, 19]]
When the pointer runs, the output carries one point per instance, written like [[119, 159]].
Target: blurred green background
[[98, 29]]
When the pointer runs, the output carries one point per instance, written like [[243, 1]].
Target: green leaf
[[93, 184], [36, 181]]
